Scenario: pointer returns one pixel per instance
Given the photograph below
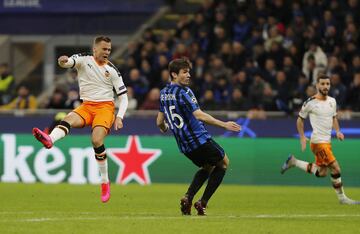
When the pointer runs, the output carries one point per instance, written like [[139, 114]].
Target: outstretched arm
[[160, 122], [300, 129], [336, 126], [206, 118]]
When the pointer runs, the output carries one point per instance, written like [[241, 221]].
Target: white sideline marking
[[162, 217]]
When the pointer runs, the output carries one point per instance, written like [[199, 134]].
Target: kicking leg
[[60, 131]]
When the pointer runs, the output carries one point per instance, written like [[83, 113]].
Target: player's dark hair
[[101, 38], [177, 64], [321, 76]]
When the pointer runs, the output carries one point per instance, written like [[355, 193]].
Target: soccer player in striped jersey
[[322, 112], [179, 111], [98, 79]]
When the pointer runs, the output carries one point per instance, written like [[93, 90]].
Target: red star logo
[[133, 161]]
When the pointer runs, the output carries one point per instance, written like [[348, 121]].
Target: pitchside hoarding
[[156, 159]]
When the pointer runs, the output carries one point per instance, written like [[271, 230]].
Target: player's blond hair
[[99, 39]]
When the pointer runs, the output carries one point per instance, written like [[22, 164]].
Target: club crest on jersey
[[107, 74]]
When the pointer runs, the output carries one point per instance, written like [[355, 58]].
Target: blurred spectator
[[354, 67], [185, 37], [311, 71], [220, 37], [299, 93], [269, 73], [149, 73], [237, 102], [208, 101], [318, 57], [207, 84], [165, 78], [198, 23], [338, 90], [240, 80], [238, 56], [226, 54], [73, 99], [218, 69], [282, 92], [67, 82], [23, 100], [331, 40], [180, 51], [139, 84], [310, 92], [152, 100], [199, 68], [292, 72], [57, 100], [353, 95], [132, 102], [267, 99], [256, 91], [242, 28], [7, 84], [281, 10], [203, 41], [222, 91], [161, 63], [274, 36]]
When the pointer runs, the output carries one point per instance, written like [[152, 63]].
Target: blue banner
[[279, 127]]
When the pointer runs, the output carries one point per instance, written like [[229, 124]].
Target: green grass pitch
[[64, 208]]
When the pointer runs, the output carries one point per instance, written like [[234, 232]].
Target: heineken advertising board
[[156, 159]]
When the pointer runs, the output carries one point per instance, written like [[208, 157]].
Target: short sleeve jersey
[[97, 82], [178, 104], [321, 113]]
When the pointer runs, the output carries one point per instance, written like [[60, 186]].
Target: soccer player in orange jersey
[[98, 77], [322, 112]]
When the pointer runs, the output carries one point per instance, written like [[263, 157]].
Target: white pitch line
[[158, 217]]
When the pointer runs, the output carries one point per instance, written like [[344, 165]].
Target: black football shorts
[[209, 153]]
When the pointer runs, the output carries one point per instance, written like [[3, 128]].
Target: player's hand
[[303, 141], [165, 128], [63, 59], [118, 123], [340, 136], [232, 126]]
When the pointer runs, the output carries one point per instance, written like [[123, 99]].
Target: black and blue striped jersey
[[178, 104]]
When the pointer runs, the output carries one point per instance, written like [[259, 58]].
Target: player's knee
[[320, 174], [226, 162], [223, 164], [97, 141], [335, 171]]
